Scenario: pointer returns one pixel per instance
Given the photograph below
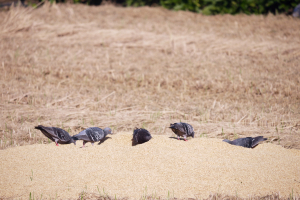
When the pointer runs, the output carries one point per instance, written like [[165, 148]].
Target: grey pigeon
[[141, 135], [92, 134], [57, 135], [182, 129], [248, 142], [296, 12]]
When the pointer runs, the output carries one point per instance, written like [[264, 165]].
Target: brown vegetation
[[74, 66]]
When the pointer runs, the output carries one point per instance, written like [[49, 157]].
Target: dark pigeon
[[12, 3], [92, 134], [57, 135], [248, 142], [182, 130], [296, 12], [141, 135]]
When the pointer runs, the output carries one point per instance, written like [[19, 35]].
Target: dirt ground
[[76, 66], [162, 167]]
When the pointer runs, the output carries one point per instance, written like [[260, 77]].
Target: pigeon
[[141, 135], [183, 130], [57, 135], [296, 12], [12, 3], [92, 134], [248, 142]]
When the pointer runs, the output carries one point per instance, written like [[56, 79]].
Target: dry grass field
[[76, 66]]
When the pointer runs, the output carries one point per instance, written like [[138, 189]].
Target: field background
[[75, 66]]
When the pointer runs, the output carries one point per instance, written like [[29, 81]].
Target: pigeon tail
[[39, 127], [228, 141]]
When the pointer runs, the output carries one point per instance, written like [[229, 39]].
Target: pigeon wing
[[243, 142], [144, 136], [45, 132], [95, 134], [178, 129], [82, 136], [62, 135], [189, 129]]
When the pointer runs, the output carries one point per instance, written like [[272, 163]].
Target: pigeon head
[[73, 140], [193, 134], [107, 130]]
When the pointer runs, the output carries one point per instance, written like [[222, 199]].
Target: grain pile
[[195, 168]]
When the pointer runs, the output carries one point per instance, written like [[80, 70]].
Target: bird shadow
[[103, 140], [175, 138], [134, 143]]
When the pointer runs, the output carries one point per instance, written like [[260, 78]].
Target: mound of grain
[[163, 165]]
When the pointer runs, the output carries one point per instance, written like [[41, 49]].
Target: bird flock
[[140, 135]]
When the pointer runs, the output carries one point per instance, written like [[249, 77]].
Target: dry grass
[[74, 66]]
